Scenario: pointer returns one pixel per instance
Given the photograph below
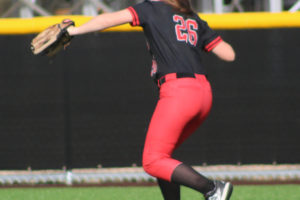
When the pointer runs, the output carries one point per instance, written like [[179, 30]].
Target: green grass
[[258, 192]]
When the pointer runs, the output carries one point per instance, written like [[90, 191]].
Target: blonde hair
[[182, 6]]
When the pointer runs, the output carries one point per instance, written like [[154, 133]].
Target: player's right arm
[[224, 51], [102, 22]]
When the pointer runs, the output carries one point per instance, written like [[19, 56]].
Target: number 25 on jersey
[[186, 30]]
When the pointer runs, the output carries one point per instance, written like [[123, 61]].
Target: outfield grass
[[258, 192]]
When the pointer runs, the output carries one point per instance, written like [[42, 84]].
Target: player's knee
[[147, 167], [148, 163], [151, 163]]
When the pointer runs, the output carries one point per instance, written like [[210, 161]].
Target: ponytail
[[182, 6]]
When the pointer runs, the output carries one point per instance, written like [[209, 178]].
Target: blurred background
[[29, 8], [89, 107]]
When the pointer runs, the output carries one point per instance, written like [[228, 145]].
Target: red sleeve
[[213, 44], [135, 17]]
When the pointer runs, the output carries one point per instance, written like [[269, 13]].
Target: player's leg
[[168, 122], [169, 190], [161, 139], [185, 174], [162, 136]]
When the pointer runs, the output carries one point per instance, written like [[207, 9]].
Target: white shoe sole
[[227, 191]]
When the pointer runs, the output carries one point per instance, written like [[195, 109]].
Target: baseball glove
[[50, 41]]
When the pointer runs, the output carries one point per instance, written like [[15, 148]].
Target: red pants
[[183, 105]]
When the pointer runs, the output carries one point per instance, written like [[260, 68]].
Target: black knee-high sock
[[187, 176], [170, 191]]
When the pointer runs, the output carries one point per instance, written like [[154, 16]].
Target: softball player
[[176, 36]]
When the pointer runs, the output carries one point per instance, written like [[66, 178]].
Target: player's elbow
[[230, 57], [224, 51]]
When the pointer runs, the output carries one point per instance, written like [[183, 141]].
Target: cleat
[[222, 191]]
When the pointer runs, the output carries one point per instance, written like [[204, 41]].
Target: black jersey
[[174, 39]]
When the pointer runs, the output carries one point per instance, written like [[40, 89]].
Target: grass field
[[257, 192]]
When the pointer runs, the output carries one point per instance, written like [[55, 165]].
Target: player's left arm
[[102, 21], [224, 51]]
